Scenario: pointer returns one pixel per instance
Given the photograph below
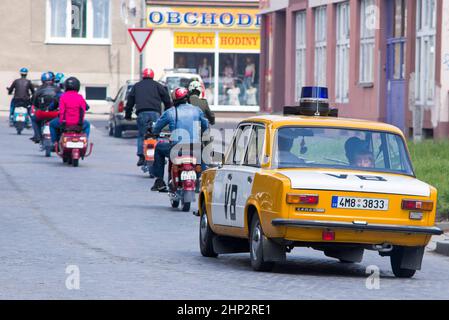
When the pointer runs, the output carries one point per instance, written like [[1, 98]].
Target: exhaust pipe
[[384, 247]]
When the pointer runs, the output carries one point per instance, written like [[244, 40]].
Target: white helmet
[[195, 86]]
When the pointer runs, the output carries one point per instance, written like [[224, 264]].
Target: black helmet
[[72, 84]]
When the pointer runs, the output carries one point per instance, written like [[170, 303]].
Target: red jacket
[[70, 105]]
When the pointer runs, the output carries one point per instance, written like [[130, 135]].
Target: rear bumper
[[356, 227]]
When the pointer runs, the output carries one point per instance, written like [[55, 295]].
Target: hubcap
[[255, 241], [203, 227]]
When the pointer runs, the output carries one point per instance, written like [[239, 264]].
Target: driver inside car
[[285, 144]]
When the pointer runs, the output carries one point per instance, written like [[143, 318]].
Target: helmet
[[180, 96], [147, 73], [72, 84], [59, 77], [24, 71], [47, 77], [195, 86]]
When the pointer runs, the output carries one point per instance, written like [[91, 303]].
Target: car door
[[234, 182]]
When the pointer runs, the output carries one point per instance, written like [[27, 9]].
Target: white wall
[[159, 51]]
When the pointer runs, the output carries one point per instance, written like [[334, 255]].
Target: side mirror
[[109, 99], [217, 159]]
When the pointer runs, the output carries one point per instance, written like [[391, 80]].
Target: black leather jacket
[[23, 89], [47, 97], [147, 95]]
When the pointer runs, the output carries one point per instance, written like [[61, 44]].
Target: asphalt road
[[102, 220]]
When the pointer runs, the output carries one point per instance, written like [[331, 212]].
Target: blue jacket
[[185, 127]]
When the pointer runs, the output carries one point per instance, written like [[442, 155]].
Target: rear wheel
[[65, 159], [206, 235], [75, 162], [118, 131], [186, 206], [396, 259], [48, 152], [256, 247]]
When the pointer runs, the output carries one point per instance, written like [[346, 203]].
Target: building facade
[[84, 38], [220, 40], [383, 60]]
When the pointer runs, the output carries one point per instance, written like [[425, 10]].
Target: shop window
[[342, 54], [202, 64], [368, 23], [320, 45], [425, 51], [238, 79], [78, 21], [300, 53]]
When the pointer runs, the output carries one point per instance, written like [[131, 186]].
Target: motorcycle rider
[[147, 96], [23, 90], [59, 80], [195, 91], [72, 109], [45, 100], [183, 118]]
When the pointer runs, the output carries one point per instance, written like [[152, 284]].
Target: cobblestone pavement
[[127, 242]]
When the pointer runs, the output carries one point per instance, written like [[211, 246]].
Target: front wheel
[[256, 247], [396, 260], [206, 235]]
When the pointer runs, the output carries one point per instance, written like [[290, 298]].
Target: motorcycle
[[73, 146], [184, 171], [45, 116], [20, 119], [149, 146]]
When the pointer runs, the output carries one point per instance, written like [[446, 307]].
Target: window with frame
[[254, 155], [342, 53], [425, 51], [368, 16], [239, 145], [300, 53], [320, 45], [78, 21]]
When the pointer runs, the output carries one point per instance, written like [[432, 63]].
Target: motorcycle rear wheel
[[174, 204], [75, 162], [186, 206]]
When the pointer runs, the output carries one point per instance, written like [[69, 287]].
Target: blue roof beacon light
[[314, 102]]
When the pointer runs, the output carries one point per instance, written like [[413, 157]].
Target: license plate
[[20, 118], [46, 130], [150, 153], [75, 145], [188, 175], [359, 203]]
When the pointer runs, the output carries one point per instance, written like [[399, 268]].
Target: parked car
[[174, 78], [117, 122]]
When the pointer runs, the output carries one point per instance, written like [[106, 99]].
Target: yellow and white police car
[[311, 179]]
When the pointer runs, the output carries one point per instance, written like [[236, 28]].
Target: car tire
[[206, 235], [396, 259], [118, 131], [111, 130], [256, 247]]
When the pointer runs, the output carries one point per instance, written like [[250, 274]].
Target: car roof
[[277, 121]]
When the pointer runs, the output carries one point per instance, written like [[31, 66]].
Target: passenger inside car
[[358, 153]]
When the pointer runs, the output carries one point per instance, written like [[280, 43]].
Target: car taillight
[[121, 107], [328, 235], [302, 199], [417, 205]]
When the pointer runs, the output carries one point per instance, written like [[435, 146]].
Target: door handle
[[230, 176], [250, 180]]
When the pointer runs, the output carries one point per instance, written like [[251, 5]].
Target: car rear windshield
[[176, 82], [302, 147]]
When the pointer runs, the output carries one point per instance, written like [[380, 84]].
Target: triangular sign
[[140, 37]]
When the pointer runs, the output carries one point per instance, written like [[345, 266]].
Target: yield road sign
[[140, 37]]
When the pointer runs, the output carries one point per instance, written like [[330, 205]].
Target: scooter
[[20, 119], [149, 146], [73, 146], [184, 174]]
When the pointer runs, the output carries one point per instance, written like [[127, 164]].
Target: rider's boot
[[159, 185], [141, 161]]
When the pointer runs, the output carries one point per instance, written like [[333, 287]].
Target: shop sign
[[206, 18], [240, 41], [194, 40]]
